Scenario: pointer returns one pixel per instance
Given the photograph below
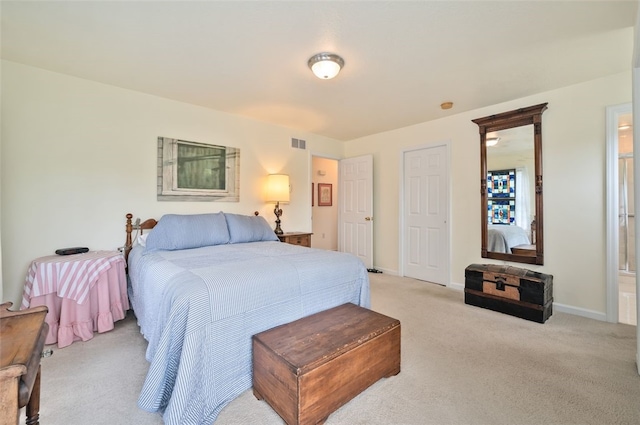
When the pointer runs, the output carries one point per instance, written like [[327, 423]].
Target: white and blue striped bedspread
[[198, 309]]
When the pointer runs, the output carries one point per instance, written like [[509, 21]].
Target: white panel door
[[355, 192], [426, 236]]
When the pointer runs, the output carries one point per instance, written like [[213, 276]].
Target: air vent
[[298, 143]]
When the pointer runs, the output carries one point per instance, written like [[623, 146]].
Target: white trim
[[388, 271], [612, 226], [447, 146], [636, 170], [323, 155], [457, 286], [577, 311], [635, 97]]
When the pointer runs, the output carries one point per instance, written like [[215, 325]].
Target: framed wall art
[[325, 195], [194, 171]]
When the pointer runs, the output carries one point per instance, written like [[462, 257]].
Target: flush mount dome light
[[325, 65], [492, 141]]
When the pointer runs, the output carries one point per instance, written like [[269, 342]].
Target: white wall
[[78, 155], [574, 187]]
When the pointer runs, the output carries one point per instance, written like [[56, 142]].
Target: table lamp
[[277, 191]]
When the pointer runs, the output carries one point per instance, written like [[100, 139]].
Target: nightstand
[[84, 293], [296, 238]]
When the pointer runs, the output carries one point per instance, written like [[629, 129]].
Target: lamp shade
[[277, 189]]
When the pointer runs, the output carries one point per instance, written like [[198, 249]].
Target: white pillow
[[141, 240]]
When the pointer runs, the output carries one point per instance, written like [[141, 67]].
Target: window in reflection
[[510, 188]]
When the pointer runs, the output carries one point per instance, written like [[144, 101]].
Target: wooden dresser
[[23, 334], [296, 238]]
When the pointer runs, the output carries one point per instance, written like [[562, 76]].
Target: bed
[[201, 285], [503, 237]]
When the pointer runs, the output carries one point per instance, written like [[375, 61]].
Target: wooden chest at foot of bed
[[519, 292], [309, 368]]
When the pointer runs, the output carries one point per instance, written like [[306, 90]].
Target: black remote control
[[74, 250]]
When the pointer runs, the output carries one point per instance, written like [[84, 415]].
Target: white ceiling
[[402, 59]]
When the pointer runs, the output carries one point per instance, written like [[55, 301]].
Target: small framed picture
[[325, 195]]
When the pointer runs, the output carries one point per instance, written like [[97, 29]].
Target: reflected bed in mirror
[[511, 185], [504, 238]]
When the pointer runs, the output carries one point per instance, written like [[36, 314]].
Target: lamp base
[[278, 212]]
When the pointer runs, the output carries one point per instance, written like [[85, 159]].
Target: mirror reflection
[[511, 191]]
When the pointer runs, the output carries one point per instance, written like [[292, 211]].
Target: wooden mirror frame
[[516, 118]]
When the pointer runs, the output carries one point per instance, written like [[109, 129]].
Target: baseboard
[[452, 285], [387, 271], [455, 285], [591, 314]]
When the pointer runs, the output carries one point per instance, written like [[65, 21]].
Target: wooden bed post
[[140, 227], [127, 243]]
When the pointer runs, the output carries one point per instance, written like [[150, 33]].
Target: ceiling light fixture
[[325, 65], [492, 141], [446, 105], [624, 127]]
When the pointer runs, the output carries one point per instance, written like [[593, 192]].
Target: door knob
[[368, 218]]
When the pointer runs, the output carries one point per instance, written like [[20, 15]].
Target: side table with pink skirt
[[85, 293]]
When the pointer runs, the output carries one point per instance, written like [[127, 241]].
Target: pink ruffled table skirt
[[70, 321]]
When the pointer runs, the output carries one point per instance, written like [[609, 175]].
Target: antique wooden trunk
[[511, 290], [309, 368]]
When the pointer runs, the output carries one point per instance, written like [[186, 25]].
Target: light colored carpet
[[460, 365]]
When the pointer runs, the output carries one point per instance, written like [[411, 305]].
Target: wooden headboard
[[130, 227]]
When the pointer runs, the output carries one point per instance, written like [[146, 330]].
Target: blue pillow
[[175, 231], [245, 228]]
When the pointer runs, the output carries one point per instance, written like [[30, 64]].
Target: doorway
[[626, 220], [324, 215], [425, 214], [621, 264]]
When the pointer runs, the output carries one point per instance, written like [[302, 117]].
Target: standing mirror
[[511, 185]]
